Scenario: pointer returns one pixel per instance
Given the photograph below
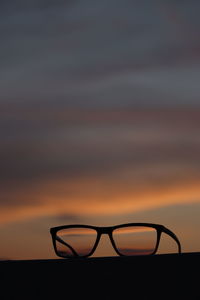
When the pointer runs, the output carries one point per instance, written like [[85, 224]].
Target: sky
[[99, 119]]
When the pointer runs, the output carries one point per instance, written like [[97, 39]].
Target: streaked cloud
[[101, 196], [100, 54], [144, 145]]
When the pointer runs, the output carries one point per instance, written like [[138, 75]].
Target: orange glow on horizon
[[131, 201]]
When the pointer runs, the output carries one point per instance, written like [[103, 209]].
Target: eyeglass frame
[[109, 230]]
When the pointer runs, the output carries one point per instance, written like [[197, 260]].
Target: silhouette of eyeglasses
[[71, 241]]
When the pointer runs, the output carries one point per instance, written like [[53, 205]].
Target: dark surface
[[170, 276]]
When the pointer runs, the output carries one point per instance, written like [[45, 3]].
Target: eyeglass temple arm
[[66, 244], [173, 236]]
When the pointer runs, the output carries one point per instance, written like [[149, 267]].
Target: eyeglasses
[[71, 241]]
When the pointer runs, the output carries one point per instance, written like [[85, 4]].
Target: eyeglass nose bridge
[[108, 231], [105, 230]]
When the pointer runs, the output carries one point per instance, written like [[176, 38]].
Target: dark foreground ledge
[[150, 277]]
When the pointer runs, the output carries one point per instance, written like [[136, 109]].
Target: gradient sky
[[99, 118]]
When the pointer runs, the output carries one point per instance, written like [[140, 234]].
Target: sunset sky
[[99, 119]]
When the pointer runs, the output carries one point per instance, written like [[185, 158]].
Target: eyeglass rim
[[109, 230]]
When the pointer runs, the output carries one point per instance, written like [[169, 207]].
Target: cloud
[[101, 196], [66, 53], [75, 144]]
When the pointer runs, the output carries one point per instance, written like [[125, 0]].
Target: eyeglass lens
[[135, 240], [80, 240]]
